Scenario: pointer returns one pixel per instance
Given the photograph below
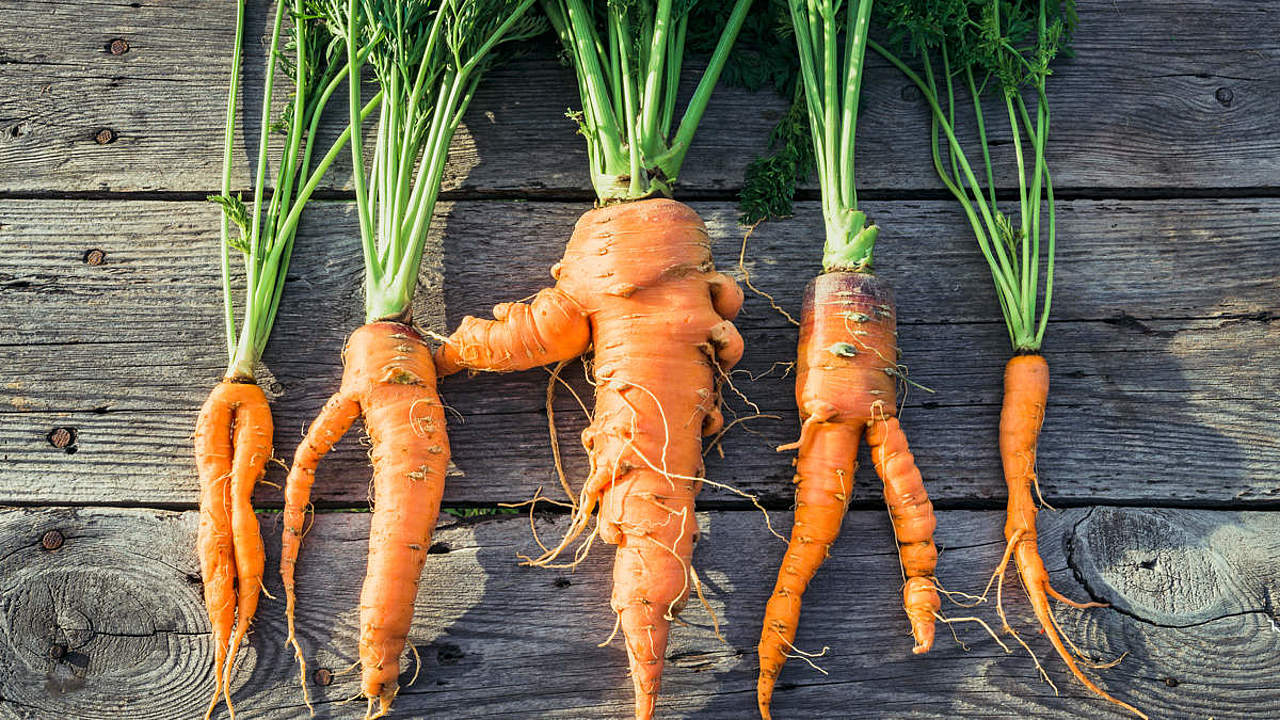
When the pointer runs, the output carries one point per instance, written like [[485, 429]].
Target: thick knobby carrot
[[232, 447], [846, 386], [389, 379], [1026, 392], [637, 281]]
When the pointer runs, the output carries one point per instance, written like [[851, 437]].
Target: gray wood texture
[[1161, 95], [1157, 349], [1161, 440], [118, 606]]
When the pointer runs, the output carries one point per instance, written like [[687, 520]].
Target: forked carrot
[[428, 58], [846, 374], [232, 447], [234, 428], [389, 380]]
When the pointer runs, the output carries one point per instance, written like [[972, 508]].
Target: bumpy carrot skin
[[636, 282], [845, 387], [232, 447], [389, 379], [1026, 392]]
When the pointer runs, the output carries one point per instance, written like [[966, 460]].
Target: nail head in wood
[[62, 438], [105, 136], [94, 257], [118, 46], [52, 540]]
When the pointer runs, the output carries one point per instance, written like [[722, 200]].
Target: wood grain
[[1165, 95], [1159, 350], [119, 605]]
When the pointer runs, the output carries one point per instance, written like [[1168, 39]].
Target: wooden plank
[[1144, 104], [112, 621], [1186, 402]]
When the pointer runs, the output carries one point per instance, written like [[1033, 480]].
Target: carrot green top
[[831, 84], [428, 57], [265, 238], [628, 56], [1000, 48]]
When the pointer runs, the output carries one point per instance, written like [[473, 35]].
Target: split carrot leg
[[232, 447], [913, 525], [824, 485], [326, 430], [1026, 392]]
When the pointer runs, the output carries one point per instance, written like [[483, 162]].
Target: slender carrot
[[638, 279], [1002, 49]]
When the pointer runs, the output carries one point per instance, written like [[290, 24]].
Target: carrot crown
[[428, 57], [265, 236], [999, 48], [628, 55]]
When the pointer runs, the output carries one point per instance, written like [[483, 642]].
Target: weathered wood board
[[1162, 95], [1156, 347], [1164, 349], [111, 623]]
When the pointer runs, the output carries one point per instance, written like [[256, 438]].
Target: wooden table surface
[[1161, 450]]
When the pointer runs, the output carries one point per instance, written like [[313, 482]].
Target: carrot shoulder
[[389, 379], [637, 283]]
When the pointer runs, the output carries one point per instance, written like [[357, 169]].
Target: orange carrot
[[637, 280], [232, 447], [389, 380], [1026, 391], [845, 387]]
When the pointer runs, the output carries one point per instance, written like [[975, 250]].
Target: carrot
[[847, 357], [637, 284], [1004, 50], [232, 447], [845, 387], [428, 59], [637, 279], [389, 380], [234, 428]]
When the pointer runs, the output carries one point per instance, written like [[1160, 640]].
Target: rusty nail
[[119, 46], [62, 437], [1224, 95], [52, 540], [105, 136], [324, 677], [95, 257], [57, 651]]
